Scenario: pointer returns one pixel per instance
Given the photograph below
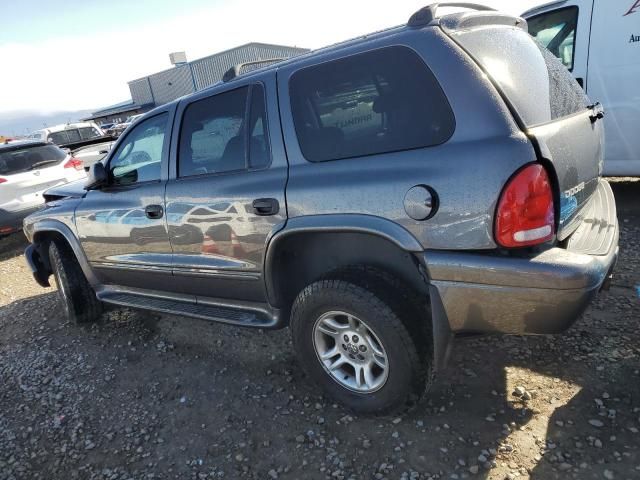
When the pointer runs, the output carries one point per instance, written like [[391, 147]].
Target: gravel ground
[[145, 396]]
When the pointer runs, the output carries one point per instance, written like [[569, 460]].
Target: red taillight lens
[[74, 163], [2, 180], [525, 210]]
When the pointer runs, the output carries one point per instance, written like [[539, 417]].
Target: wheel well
[[301, 258], [41, 241]]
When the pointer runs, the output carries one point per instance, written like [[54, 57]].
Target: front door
[[122, 226], [226, 197]]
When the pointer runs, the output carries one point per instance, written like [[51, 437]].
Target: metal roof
[[165, 86], [119, 108]]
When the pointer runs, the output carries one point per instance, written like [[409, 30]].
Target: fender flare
[[335, 223], [47, 226]]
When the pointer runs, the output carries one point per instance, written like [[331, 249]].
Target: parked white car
[[27, 169], [599, 42], [68, 133]]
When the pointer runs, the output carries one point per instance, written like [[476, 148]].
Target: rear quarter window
[[535, 82], [381, 101]]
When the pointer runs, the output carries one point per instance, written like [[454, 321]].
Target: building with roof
[[188, 77]]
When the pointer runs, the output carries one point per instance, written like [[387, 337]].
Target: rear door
[[226, 195], [550, 107]]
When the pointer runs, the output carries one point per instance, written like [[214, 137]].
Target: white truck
[[599, 42]]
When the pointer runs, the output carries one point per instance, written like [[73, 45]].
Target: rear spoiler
[[481, 15]]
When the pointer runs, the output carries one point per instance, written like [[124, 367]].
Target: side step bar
[[214, 313]]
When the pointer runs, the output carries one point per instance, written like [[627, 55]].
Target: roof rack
[[425, 15], [236, 70]]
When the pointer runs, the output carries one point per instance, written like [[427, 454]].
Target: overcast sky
[[79, 54]]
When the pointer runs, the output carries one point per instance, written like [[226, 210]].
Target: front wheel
[[356, 347], [76, 294]]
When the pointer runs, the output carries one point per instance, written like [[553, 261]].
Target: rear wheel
[[76, 295], [357, 347]]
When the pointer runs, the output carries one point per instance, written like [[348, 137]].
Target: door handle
[[265, 206], [153, 211]]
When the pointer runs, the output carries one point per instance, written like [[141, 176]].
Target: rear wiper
[[597, 112], [40, 164]]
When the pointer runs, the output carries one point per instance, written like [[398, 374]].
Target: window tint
[[259, 150], [381, 101], [30, 158], [556, 30], [59, 138], [87, 133], [211, 137], [139, 157]]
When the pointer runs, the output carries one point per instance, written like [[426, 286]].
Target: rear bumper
[[11, 222], [544, 293]]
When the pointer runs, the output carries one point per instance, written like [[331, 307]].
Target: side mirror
[[96, 177]]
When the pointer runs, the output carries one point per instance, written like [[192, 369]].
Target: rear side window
[[30, 158], [537, 84], [382, 101]]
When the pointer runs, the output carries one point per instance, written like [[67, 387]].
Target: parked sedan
[[27, 169]]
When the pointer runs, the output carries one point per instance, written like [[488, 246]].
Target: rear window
[[65, 136], [87, 133], [538, 85], [376, 102], [29, 158]]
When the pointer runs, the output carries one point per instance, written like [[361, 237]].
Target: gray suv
[[378, 197]]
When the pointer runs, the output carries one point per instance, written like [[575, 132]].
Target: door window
[[556, 30], [139, 157], [222, 133], [211, 138]]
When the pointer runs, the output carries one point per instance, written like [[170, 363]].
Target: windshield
[[30, 158]]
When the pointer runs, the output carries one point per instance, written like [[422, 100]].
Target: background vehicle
[[378, 196], [27, 169], [117, 129], [68, 133], [599, 42], [106, 126]]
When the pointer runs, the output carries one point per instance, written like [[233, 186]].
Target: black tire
[[380, 305], [76, 294]]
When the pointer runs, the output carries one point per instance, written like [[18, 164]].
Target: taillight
[[525, 210], [74, 163], [2, 180]]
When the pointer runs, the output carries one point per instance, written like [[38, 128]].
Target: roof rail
[[425, 15], [236, 70]]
